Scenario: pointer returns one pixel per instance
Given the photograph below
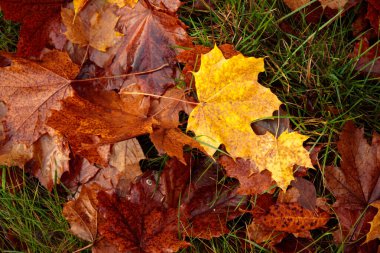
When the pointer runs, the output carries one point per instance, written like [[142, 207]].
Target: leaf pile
[[76, 102]]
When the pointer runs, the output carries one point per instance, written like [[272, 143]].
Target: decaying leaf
[[30, 90], [250, 182], [151, 36], [293, 218], [37, 18], [82, 214], [96, 28], [374, 232], [158, 211], [356, 184], [50, 160], [230, 99], [83, 122], [167, 137]]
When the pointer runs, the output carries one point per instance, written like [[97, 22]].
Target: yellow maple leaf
[[230, 99]]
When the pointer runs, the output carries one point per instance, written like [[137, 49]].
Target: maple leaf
[[94, 27], [166, 137], [82, 122], [355, 184], [29, 90], [50, 160], [230, 99], [37, 18], [293, 218], [250, 182], [374, 232], [148, 218], [140, 49], [192, 59]]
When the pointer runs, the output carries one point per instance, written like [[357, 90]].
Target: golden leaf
[[374, 232], [230, 99]]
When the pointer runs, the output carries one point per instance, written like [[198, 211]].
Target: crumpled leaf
[[356, 184], [82, 213], [29, 90], [230, 99], [167, 137], [374, 232], [36, 18], [51, 159], [151, 36], [83, 122], [94, 28], [158, 211]]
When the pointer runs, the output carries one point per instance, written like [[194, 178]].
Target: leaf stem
[[157, 96], [124, 75]]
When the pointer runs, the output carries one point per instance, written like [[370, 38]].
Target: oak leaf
[[36, 18], [230, 99], [30, 90], [355, 185]]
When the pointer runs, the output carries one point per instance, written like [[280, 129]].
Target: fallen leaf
[[36, 18], [158, 211], [150, 39], [302, 192], [94, 28], [50, 160], [251, 182], [355, 185], [82, 213], [230, 99], [368, 58], [30, 90], [167, 137], [374, 232], [82, 122], [192, 59], [293, 218]]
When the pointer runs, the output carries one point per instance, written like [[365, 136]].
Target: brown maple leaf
[[157, 209], [29, 91], [356, 184], [166, 136], [37, 18], [151, 35], [104, 117]]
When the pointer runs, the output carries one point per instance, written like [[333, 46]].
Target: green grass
[[31, 219], [311, 71]]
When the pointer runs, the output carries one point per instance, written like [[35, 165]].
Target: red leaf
[[36, 18]]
